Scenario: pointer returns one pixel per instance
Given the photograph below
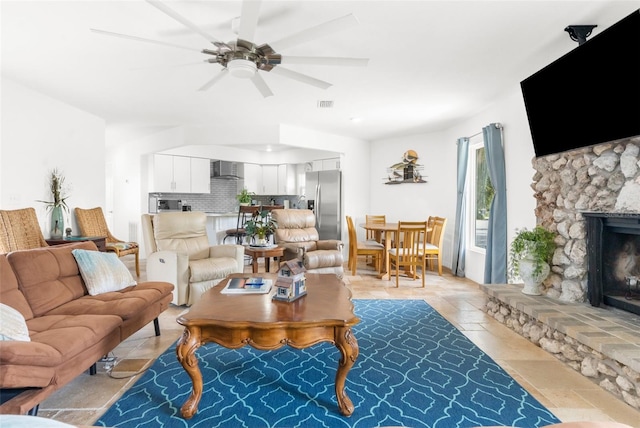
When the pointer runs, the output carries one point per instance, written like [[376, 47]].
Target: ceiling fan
[[245, 59]]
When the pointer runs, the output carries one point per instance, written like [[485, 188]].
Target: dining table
[[388, 230]]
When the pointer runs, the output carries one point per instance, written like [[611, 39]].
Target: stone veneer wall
[[601, 178]]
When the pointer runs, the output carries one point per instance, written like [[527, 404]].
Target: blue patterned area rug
[[415, 369]]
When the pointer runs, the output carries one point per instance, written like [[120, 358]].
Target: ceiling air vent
[[325, 104]]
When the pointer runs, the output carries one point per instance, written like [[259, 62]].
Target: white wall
[[39, 134], [437, 151]]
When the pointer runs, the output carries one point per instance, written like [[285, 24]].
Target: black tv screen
[[589, 96]]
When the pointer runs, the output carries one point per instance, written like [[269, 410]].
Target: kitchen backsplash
[[222, 198]]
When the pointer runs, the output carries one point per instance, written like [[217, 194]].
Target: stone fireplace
[[593, 182], [613, 244]]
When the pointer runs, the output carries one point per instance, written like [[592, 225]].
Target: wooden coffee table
[[325, 314], [267, 253]]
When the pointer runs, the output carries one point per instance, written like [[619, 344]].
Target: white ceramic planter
[[531, 281]]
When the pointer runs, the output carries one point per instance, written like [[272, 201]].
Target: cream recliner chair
[[178, 252], [297, 233]]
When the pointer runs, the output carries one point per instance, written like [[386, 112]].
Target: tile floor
[[569, 395]]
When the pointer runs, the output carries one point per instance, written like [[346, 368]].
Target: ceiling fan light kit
[[242, 68], [244, 59]]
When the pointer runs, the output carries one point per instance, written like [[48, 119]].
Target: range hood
[[225, 170]]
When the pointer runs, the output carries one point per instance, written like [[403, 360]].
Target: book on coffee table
[[252, 285]]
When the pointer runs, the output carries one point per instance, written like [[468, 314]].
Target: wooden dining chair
[[406, 254], [432, 251], [362, 248], [375, 219]]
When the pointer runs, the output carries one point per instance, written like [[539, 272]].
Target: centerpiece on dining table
[[260, 227]]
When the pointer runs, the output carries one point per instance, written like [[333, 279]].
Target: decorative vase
[[531, 280], [261, 240], [57, 222]]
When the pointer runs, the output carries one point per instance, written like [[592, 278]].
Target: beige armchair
[[297, 233], [178, 252]]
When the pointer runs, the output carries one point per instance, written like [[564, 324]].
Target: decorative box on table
[[290, 284]]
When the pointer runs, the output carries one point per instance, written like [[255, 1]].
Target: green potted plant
[[244, 197], [58, 204], [530, 254], [260, 226]]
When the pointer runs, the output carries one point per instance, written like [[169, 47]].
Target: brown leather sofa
[[69, 329]]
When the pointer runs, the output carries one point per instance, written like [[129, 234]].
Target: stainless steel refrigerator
[[323, 192]]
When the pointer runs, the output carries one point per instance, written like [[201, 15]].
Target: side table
[[100, 241], [266, 252]]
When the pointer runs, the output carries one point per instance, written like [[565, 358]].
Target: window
[[481, 194]]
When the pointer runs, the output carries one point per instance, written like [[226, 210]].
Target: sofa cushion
[[12, 324], [9, 292], [208, 269], [49, 277], [55, 340], [102, 272], [125, 303]]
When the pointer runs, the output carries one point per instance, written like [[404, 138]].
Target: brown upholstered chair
[[92, 223], [20, 230]]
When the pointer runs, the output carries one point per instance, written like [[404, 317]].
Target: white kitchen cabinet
[[253, 178], [287, 179], [173, 174], [200, 175], [269, 180], [326, 164]]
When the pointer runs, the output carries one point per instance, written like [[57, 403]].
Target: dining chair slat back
[[407, 254], [433, 248], [366, 248]]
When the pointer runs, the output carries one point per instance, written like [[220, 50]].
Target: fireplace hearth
[[613, 244]]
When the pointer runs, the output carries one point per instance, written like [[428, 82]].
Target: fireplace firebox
[[613, 244]]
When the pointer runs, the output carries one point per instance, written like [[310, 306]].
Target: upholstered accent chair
[[297, 233], [92, 222], [178, 251], [20, 230]]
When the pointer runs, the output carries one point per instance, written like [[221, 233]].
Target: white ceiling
[[432, 63]]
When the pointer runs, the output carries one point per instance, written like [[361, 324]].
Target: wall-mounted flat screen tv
[[589, 96]]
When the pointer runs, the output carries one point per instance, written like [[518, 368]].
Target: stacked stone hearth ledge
[[603, 344]]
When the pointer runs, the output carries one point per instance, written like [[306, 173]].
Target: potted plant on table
[[530, 254], [244, 197], [260, 226], [58, 204]]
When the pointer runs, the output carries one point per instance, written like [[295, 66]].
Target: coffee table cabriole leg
[[348, 346], [186, 352]]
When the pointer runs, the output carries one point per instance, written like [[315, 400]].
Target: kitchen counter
[[231, 214]]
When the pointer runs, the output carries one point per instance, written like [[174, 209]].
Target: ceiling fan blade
[[315, 32], [261, 85], [326, 60], [184, 21], [223, 73], [300, 77], [249, 19], [141, 39]]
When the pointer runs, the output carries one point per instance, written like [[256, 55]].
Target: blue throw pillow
[[102, 272]]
